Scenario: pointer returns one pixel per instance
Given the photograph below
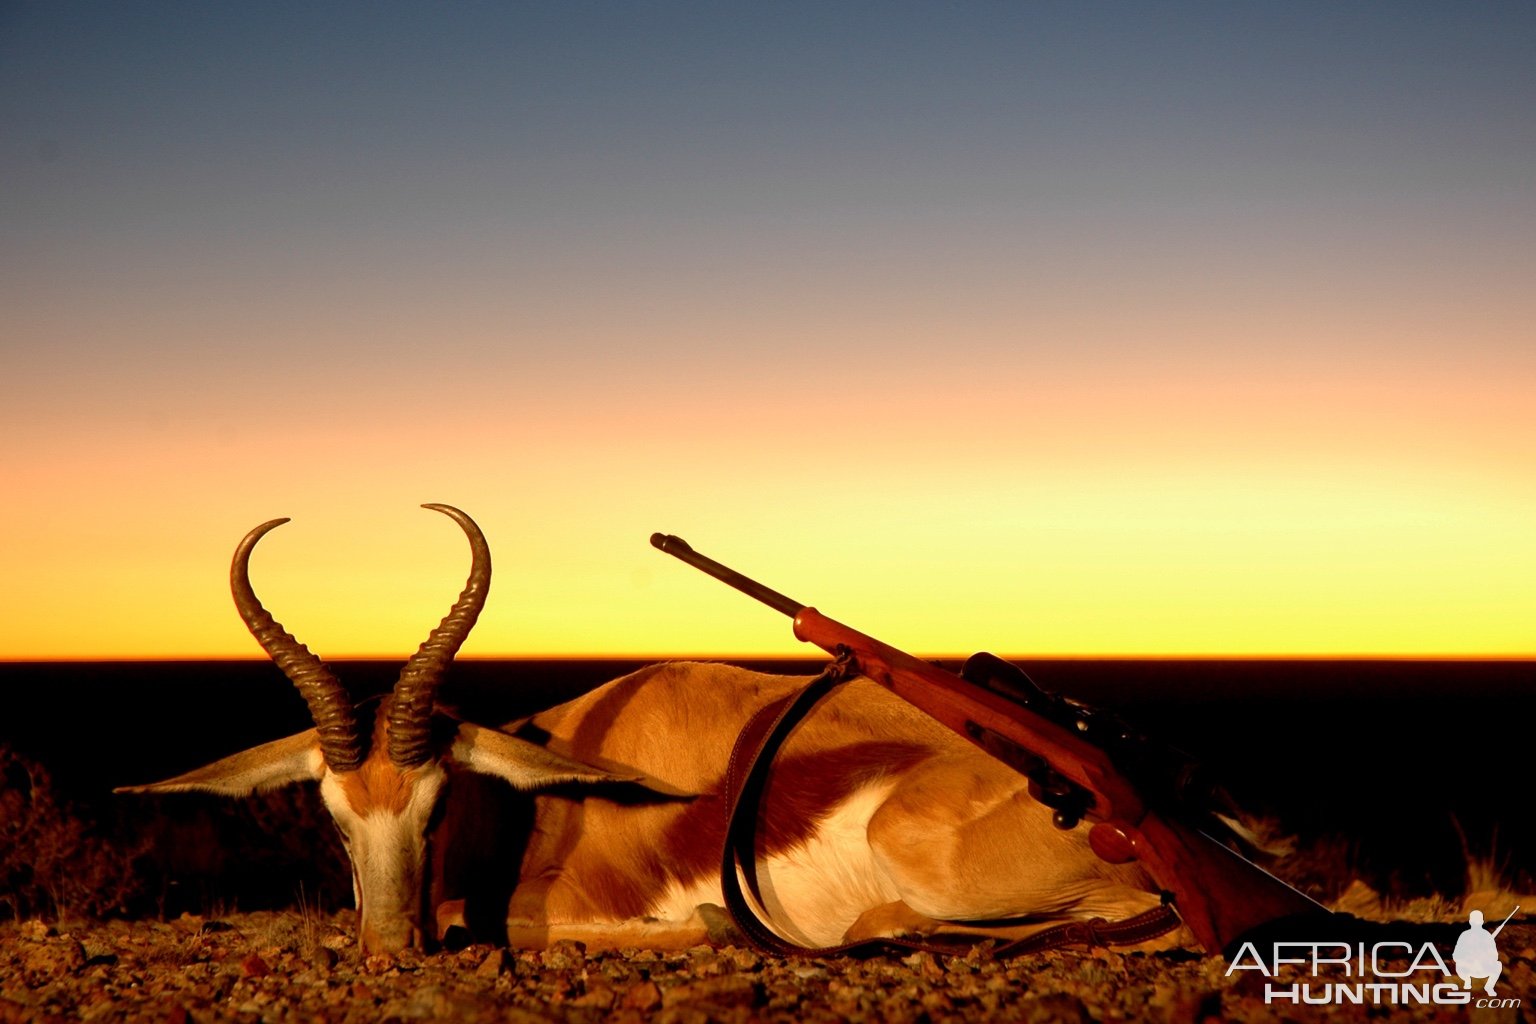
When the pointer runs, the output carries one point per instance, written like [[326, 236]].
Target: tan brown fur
[[951, 832], [377, 786]]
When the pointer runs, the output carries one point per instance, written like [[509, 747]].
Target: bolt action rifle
[[1219, 895]]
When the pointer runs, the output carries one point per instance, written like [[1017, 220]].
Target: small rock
[[379, 963], [254, 966], [36, 930], [705, 962], [599, 996], [718, 925], [565, 955], [644, 996], [743, 959], [980, 954], [959, 966], [925, 965]]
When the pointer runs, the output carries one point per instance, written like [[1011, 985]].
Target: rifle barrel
[[678, 548]]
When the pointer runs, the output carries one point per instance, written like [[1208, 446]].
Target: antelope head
[[381, 768]]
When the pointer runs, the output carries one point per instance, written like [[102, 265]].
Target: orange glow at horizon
[[1140, 517]]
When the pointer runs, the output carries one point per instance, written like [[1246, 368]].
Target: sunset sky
[[1044, 328]]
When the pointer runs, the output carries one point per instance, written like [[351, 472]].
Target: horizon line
[[809, 657]]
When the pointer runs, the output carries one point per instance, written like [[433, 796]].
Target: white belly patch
[[814, 891]]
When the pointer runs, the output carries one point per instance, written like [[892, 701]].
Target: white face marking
[[388, 851], [814, 892]]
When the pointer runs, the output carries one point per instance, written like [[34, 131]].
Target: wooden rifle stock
[[963, 707], [1219, 895]]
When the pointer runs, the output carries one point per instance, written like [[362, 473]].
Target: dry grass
[[51, 860]]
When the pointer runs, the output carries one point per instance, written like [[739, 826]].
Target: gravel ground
[[288, 966]]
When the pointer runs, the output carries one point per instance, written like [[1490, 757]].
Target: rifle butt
[[1219, 895]]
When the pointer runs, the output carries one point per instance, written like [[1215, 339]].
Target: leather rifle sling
[[745, 780]]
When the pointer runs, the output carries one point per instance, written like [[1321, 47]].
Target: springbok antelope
[[875, 821]]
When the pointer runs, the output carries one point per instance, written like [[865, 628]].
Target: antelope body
[[875, 820]]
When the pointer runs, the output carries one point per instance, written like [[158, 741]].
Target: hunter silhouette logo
[[1476, 954], [1384, 973]]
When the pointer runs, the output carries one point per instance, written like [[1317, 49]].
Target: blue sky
[[1183, 256]]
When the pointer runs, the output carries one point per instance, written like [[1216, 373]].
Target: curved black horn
[[410, 716], [329, 705]]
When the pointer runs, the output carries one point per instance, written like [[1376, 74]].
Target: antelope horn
[[329, 705], [410, 715]]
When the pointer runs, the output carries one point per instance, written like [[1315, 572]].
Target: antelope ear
[[529, 766], [292, 759]]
